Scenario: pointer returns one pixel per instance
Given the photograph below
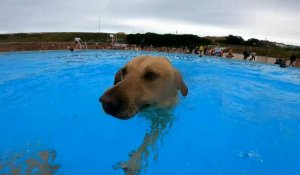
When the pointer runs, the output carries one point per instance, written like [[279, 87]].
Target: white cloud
[[272, 19]]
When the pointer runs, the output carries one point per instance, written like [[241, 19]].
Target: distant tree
[[234, 40], [121, 36], [254, 42], [134, 38], [168, 40]]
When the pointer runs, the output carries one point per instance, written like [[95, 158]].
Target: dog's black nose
[[111, 104]]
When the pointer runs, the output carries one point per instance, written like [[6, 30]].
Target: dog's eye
[[150, 76], [124, 71]]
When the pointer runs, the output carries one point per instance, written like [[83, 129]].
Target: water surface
[[238, 118]]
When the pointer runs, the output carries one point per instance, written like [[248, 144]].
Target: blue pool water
[[238, 118]]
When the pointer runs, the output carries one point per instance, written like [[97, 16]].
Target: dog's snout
[[111, 104]]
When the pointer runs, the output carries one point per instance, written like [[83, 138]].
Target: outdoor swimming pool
[[238, 118]]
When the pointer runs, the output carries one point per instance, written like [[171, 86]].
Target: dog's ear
[[180, 83], [118, 76]]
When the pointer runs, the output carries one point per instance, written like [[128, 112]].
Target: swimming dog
[[145, 81]]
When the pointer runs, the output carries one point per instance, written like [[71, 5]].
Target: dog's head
[[145, 81]]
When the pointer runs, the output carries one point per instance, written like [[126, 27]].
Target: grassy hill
[[55, 37]]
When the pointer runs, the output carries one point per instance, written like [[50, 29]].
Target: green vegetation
[[167, 40], [237, 40], [53, 37]]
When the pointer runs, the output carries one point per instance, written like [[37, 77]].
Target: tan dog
[[145, 81]]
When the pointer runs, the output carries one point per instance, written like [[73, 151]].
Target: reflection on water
[[251, 155], [161, 122], [29, 161]]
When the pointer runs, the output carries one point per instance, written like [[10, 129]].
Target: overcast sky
[[274, 20]]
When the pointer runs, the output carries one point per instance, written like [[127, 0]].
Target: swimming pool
[[238, 118]]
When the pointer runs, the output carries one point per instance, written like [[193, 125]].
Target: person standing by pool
[[77, 41], [292, 59], [246, 54], [253, 54], [283, 64], [205, 50], [229, 55], [196, 51], [201, 50]]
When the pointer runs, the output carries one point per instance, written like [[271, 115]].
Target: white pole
[[99, 28], [99, 25]]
